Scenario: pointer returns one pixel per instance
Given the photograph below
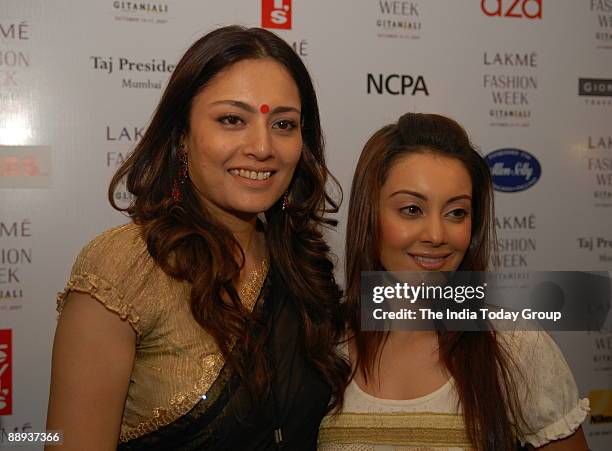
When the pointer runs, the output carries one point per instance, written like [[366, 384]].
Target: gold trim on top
[[211, 366], [249, 292], [395, 428]]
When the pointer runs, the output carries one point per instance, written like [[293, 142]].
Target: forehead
[[428, 173], [255, 81]]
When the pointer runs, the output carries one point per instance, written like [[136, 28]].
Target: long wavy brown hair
[[483, 371], [189, 244]]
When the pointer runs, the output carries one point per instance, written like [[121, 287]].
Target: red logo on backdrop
[[6, 366], [19, 166], [276, 14], [522, 9]]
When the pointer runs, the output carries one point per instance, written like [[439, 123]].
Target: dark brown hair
[[482, 369], [190, 244]]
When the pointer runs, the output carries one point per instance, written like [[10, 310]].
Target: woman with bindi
[[422, 200], [209, 321]]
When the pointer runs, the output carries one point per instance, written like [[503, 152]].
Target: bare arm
[[93, 353], [575, 442]]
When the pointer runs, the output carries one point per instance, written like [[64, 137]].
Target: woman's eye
[[411, 210], [458, 213], [285, 125], [230, 119]]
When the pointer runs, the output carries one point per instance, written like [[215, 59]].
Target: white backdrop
[[508, 70]]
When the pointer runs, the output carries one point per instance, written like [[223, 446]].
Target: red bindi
[[264, 108]]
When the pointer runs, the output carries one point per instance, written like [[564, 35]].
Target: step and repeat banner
[[531, 80]]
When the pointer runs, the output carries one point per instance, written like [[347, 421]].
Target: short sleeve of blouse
[[109, 269], [549, 397]]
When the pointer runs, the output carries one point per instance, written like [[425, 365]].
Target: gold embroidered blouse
[[176, 361]]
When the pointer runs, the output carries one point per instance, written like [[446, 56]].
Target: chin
[[253, 207]]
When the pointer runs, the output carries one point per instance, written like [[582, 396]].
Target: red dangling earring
[[182, 174], [285, 201]]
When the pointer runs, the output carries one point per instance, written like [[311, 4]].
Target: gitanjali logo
[[140, 6], [521, 9], [276, 14], [6, 368]]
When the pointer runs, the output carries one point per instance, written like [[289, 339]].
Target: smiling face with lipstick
[[425, 213], [244, 139]]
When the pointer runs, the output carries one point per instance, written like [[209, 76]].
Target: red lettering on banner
[[23, 166], [6, 368], [276, 14], [530, 9], [511, 12]]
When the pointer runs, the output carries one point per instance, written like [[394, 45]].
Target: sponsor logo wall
[[601, 14], [16, 258], [398, 19], [517, 9], [15, 57], [16, 65], [535, 98], [597, 160], [511, 81]]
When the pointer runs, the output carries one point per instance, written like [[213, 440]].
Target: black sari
[[226, 418]]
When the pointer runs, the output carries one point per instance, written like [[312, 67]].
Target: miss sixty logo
[[276, 14], [6, 364]]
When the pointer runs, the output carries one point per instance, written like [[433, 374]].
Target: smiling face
[[244, 139], [425, 217]]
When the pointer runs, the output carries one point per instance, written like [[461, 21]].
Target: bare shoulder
[[86, 319], [93, 354]]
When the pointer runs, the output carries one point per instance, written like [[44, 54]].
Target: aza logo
[[522, 9]]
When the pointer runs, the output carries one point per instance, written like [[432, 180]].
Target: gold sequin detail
[[183, 402], [395, 428]]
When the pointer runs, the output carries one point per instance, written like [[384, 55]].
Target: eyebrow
[[245, 106], [422, 196]]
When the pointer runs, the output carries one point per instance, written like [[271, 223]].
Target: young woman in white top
[[422, 200]]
